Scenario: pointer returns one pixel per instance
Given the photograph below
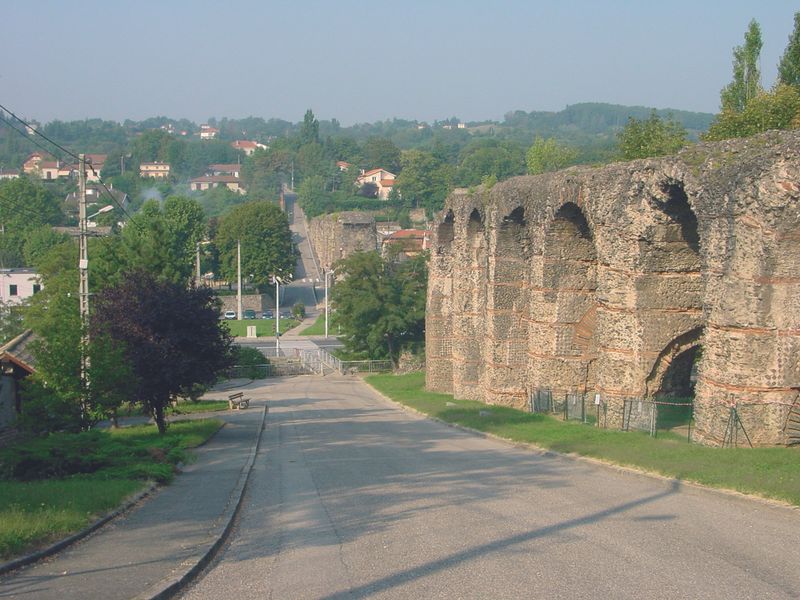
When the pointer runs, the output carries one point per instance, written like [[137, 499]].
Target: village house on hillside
[[9, 174], [207, 132], [45, 166], [247, 146], [407, 242], [97, 194], [224, 169], [382, 179], [233, 183], [157, 169]]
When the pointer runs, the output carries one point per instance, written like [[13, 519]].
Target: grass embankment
[[264, 327], [770, 472], [51, 487], [201, 406], [317, 328]]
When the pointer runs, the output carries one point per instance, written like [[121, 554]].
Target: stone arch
[[564, 304], [471, 281], [669, 291], [673, 371], [445, 234], [507, 305]]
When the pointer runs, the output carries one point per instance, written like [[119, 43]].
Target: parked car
[[267, 314], [230, 314], [249, 313], [285, 314]]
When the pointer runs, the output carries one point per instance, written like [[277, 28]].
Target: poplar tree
[[746, 83], [789, 67]]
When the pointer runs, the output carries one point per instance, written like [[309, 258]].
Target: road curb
[[168, 587], [629, 470], [63, 543]]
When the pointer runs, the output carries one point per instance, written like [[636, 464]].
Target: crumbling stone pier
[[653, 278]]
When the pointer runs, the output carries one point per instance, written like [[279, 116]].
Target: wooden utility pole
[[239, 278]]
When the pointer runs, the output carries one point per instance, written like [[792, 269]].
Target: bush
[[246, 356], [299, 311], [44, 411]]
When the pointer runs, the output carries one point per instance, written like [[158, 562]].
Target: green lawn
[[200, 406], [264, 327], [54, 486], [769, 472], [318, 327]]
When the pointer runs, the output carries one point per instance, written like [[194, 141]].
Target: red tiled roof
[[387, 182], [244, 144], [407, 233]]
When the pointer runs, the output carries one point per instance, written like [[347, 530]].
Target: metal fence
[[652, 416], [322, 362], [570, 405], [268, 370]]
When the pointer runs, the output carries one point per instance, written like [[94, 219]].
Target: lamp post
[[239, 279], [278, 281], [197, 260], [327, 274]]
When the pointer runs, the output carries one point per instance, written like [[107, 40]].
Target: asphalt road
[[354, 498]]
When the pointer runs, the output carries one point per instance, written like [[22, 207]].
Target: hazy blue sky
[[366, 61]]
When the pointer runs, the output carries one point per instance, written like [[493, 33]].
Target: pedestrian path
[[156, 543]]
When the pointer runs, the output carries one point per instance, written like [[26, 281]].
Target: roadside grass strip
[[201, 406], [769, 472], [264, 327], [53, 486], [317, 327]]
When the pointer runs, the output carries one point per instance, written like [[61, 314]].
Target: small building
[[224, 169], [98, 195], [381, 178], [16, 363], [207, 132], [157, 169], [407, 242], [17, 285], [32, 163], [343, 165], [9, 174], [206, 182], [247, 146]]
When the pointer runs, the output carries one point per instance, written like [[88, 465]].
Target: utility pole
[[83, 270], [239, 272], [277, 317]]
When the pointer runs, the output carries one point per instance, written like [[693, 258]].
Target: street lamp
[[278, 281], [197, 260], [328, 272]]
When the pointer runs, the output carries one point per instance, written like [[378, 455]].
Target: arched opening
[[446, 232], [564, 305], [471, 280], [507, 306]]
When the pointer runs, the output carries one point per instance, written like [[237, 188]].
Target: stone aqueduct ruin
[[610, 280]]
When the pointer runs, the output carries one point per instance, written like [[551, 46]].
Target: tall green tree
[[309, 131], [778, 108], [746, 83], [789, 66], [424, 180], [266, 242], [548, 155], [380, 303], [651, 137], [25, 205], [55, 390]]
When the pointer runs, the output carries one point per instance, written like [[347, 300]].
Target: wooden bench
[[238, 401]]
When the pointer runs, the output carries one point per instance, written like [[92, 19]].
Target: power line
[[66, 151]]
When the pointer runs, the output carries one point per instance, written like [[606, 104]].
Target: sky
[[361, 62]]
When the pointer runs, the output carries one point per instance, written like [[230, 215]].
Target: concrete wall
[[610, 281]]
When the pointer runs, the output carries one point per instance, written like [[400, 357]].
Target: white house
[[17, 285]]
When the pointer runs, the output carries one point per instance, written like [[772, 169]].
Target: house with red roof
[[382, 179], [247, 146]]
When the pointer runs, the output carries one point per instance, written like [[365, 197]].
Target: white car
[[230, 314]]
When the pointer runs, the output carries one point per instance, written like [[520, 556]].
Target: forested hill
[[598, 118]]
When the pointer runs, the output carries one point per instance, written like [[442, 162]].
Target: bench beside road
[[238, 401]]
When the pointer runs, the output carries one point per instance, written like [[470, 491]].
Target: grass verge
[[55, 486], [200, 406], [769, 472], [316, 328], [264, 327]]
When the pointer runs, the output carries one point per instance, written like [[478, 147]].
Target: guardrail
[[318, 361]]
